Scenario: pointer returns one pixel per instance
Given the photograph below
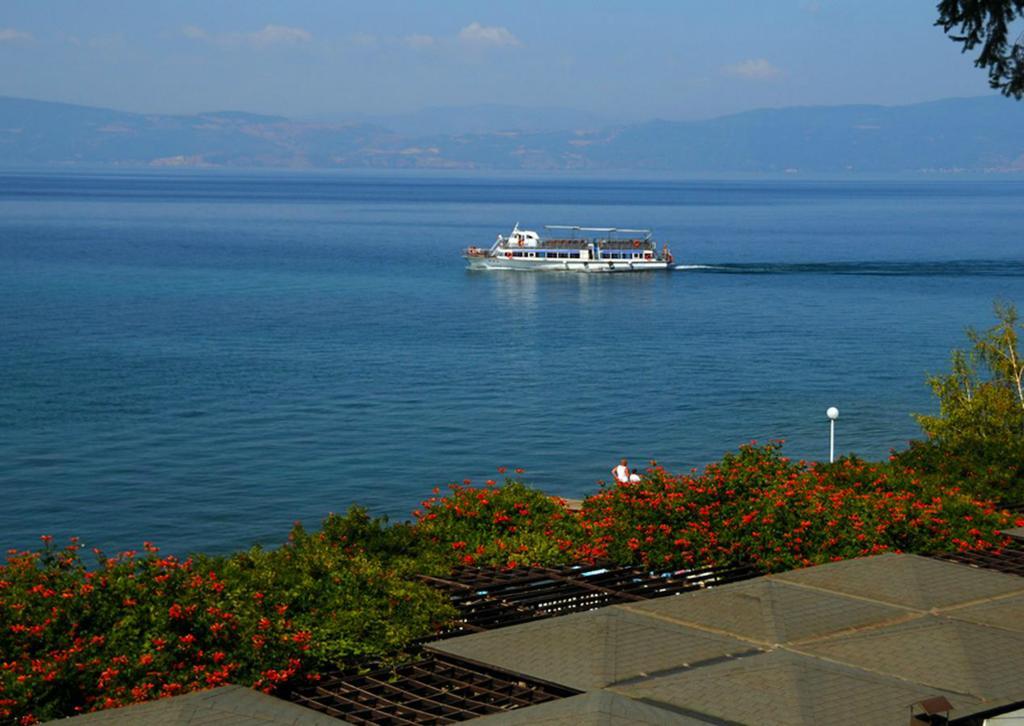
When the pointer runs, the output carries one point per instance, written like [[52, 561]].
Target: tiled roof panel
[[593, 649], [771, 611], [906, 580], [944, 653], [1004, 612], [782, 689], [598, 708], [225, 706]]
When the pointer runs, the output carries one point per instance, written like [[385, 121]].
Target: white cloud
[[492, 35], [278, 35], [753, 69], [269, 36], [111, 41], [10, 35], [419, 40], [363, 40], [195, 32]]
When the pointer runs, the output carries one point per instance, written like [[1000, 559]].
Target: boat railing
[[565, 244], [624, 244]]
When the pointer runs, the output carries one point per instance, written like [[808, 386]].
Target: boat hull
[[590, 266]]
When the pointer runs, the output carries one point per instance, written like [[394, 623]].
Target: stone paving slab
[[941, 652], [598, 708], [782, 688], [589, 650], [225, 706], [909, 581], [769, 611]]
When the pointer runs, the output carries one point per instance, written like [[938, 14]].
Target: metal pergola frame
[[439, 689], [1009, 561], [489, 598], [433, 690]]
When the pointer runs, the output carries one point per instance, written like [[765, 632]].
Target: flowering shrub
[[987, 469], [141, 626], [758, 507], [506, 526]]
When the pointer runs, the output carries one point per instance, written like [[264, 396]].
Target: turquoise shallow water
[[198, 360]]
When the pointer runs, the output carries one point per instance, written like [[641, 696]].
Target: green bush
[[505, 526], [137, 627], [977, 439], [757, 507], [134, 627]]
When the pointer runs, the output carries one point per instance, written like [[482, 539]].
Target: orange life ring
[[636, 244], [508, 255]]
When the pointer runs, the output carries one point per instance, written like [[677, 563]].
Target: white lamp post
[[833, 414]]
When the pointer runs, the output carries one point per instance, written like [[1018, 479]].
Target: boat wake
[[951, 268]]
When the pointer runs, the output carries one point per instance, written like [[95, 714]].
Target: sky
[[629, 59]]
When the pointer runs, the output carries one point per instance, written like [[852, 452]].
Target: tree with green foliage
[[978, 435], [988, 23], [982, 398]]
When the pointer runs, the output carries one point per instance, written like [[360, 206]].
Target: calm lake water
[[199, 360]]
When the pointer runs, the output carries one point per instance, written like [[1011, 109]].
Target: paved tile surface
[[225, 706], [907, 580], [589, 650], [782, 688], [771, 611]]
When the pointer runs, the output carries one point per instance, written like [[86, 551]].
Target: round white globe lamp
[[833, 414]]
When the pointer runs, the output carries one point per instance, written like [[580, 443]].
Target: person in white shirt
[[621, 472], [634, 477]]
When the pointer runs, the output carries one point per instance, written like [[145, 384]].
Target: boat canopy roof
[[574, 228]]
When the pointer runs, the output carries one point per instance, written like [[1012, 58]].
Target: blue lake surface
[[200, 359]]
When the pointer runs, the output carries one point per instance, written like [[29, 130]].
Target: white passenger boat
[[576, 249]]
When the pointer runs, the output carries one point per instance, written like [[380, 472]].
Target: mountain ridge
[[980, 134]]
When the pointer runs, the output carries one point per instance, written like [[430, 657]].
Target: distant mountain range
[[955, 135]]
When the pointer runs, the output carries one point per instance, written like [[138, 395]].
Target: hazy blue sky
[[667, 58]]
